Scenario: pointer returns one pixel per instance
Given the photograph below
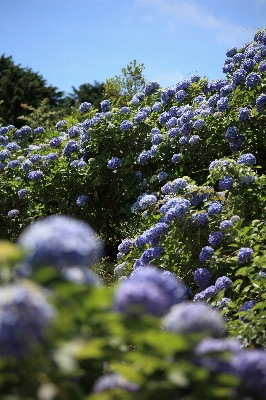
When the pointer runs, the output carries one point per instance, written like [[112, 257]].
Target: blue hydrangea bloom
[[74, 131], [262, 66], [81, 276], [61, 125], [244, 254], [25, 316], [12, 213], [126, 125], [71, 147], [35, 175], [226, 182], [144, 157], [206, 253], [223, 283], [85, 106], [207, 293], [199, 219], [4, 154], [125, 246], [4, 130], [105, 106], [82, 200], [161, 176], [247, 159], [246, 179], [173, 132], [215, 238], [151, 86], [26, 165], [113, 163], [238, 76], [56, 141], [147, 200], [124, 110], [177, 184], [243, 113], [194, 139], [215, 207], [252, 80], [51, 157], [181, 95], [176, 157], [22, 193], [199, 124], [60, 241], [222, 104], [157, 107], [261, 102], [231, 52], [13, 164], [226, 224], [38, 130], [35, 158], [202, 277], [228, 67], [190, 317], [12, 146]]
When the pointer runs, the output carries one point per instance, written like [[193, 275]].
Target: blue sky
[[71, 42]]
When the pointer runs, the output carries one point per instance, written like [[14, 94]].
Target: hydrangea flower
[[22, 193], [74, 131], [51, 157], [82, 200], [71, 147], [113, 381], [35, 175], [223, 283], [207, 293], [199, 124], [252, 80], [157, 107], [161, 176], [215, 238], [60, 241], [176, 157], [4, 154], [231, 52], [243, 113], [199, 219], [262, 66], [61, 125], [238, 76], [12, 146], [202, 277], [194, 139], [147, 200], [25, 316], [247, 305], [261, 102], [105, 106], [226, 224], [13, 164], [206, 253], [126, 125], [225, 183], [38, 130], [247, 159], [215, 208], [125, 246], [85, 106], [246, 179], [12, 214], [181, 95], [114, 163], [177, 184], [244, 254], [81, 276], [190, 317], [151, 86], [222, 104]]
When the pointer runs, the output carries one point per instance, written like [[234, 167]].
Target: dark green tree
[[23, 86]]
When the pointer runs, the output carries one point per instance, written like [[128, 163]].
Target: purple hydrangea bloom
[[156, 139], [215, 238], [22, 193], [222, 104], [244, 254], [51, 157], [173, 132], [12, 214], [224, 91], [126, 125], [113, 163], [71, 147], [223, 283], [60, 241], [247, 159], [61, 125], [140, 116], [228, 67], [226, 182], [207, 293], [248, 305], [125, 246], [4, 130], [215, 208], [35, 175], [177, 184], [161, 176], [190, 317], [226, 224], [202, 278], [248, 65], [25, 315], [252, 80], [175, 158], [82, 200], [143, 157], [35, 158], [26, 165], [84, 107], [105, 106], [171, 122], [56, 141], [206, 253]]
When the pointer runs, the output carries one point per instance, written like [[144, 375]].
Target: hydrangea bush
[[174, 184]]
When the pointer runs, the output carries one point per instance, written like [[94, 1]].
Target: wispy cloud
[[195, 14]]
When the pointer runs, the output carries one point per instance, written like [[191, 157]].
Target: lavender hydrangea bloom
[[61, 241], [262, 66], [61, 125], [207, 293], [113, 381], [22, 193], [202, 277], [12, 214], [215, 238], [226, 224], [25, 315], [176, 157], [261, 102], [223, 283], [226, 182], [206, 253], [113, 163], [51, 157], [247, 159], [252, 80], [35, 175], [231, 52], [71, 147], [190, 317], [125, 110], [161, 176], [247, 305], [144, 157], [143, 298], [85, 106], [120, 269], [177, 184], [244, 254], [82, 200], [215, 208], [126, 125]]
